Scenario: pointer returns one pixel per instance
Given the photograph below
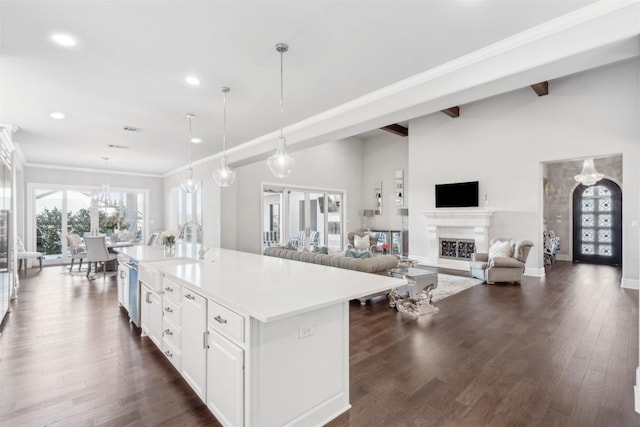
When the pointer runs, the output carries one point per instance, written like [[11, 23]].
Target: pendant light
[[281, 163], [224, 176], [189, 185], [104, 200], [589, 175]]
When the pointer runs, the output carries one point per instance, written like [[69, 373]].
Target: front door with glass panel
[[597, 223]]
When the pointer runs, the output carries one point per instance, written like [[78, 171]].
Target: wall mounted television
[[457, 195]]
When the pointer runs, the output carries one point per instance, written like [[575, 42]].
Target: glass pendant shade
[[189, 185], [589, 175], [281, 163], [224, 176]]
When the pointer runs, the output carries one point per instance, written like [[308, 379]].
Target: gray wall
[[503, 142]]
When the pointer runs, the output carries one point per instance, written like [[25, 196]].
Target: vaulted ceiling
[[129, 66]]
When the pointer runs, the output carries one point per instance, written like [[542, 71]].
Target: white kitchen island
[[263, 341]]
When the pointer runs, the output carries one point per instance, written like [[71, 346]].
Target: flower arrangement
[[385, 248], [111, 223], [169, 237]]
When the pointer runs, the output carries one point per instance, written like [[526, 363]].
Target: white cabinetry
[[193, 344], [151, 315], [171, 322], [225, 380], [123, 286]]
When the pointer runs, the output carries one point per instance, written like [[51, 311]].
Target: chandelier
[[281, 163], [189, 185], [224, 176], [104, 198], [589, 175]]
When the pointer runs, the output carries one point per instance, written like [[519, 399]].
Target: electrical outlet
[[306, 331]]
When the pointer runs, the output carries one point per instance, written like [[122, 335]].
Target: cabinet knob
[[168, 289], [189, 296], [168, 353], [168, 332], [220, 319], [168, 310]]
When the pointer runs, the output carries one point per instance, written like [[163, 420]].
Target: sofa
[[501, 268], [377, 265]]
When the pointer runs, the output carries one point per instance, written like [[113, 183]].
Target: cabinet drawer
[[171, 290], [171, 333], [172, 353], [226, 322], [171, 311]]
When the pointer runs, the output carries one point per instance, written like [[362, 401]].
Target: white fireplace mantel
[[469, 224]]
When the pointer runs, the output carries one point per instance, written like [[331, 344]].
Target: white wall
[[501, 142], [86, 178], [336, 165], [383, 156]]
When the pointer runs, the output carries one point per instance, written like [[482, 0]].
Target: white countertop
[[265, 288], [142, 253]]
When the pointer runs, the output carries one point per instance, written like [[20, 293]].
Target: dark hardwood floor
[[561, 350]]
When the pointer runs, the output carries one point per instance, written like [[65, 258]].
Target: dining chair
[[23, 255], [77, 248], [97, 252]]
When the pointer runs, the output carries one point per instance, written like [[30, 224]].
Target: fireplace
[[453, 235]]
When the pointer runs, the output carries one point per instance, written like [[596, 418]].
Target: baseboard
[[534, 272], [630, 284], [637, 390]]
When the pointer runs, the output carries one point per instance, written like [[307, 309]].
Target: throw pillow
[[500, 249], [353, 253], [290, 247], [302, 249], [320, 250], [361, 242]]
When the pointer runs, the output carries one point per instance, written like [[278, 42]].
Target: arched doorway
[[597, 223]]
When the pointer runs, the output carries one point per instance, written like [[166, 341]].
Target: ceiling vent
[[133, 129], [120, 147]]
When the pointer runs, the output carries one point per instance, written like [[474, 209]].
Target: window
[[302, 217], [56, 211]]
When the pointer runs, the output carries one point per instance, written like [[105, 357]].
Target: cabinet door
[[151, 315], [225, 380], [193, 342]]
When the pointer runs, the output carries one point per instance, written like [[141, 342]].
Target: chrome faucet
[[202, 251], [183, 231]]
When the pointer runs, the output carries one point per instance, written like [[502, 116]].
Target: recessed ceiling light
[[64, 40], [196, 140], [192, 80], [57, 115]]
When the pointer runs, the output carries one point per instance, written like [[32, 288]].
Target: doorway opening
[[597, 223]]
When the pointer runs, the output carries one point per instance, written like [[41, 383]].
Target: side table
[[420, 285]]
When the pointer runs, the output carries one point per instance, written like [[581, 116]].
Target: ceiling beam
[[541, 88], [396, 129], [452, 112]]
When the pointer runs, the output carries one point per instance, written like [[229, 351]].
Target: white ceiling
[[133, 56]]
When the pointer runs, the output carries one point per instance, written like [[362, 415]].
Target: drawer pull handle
[[148, 297], [168, 310], [168, 332], [168, 289], [220, 319], [189, 296], [168, 353]]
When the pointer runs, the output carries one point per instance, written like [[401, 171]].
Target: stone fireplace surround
[[456, 224]]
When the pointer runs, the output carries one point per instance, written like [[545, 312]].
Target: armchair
[[501, 268], [373, 240]]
